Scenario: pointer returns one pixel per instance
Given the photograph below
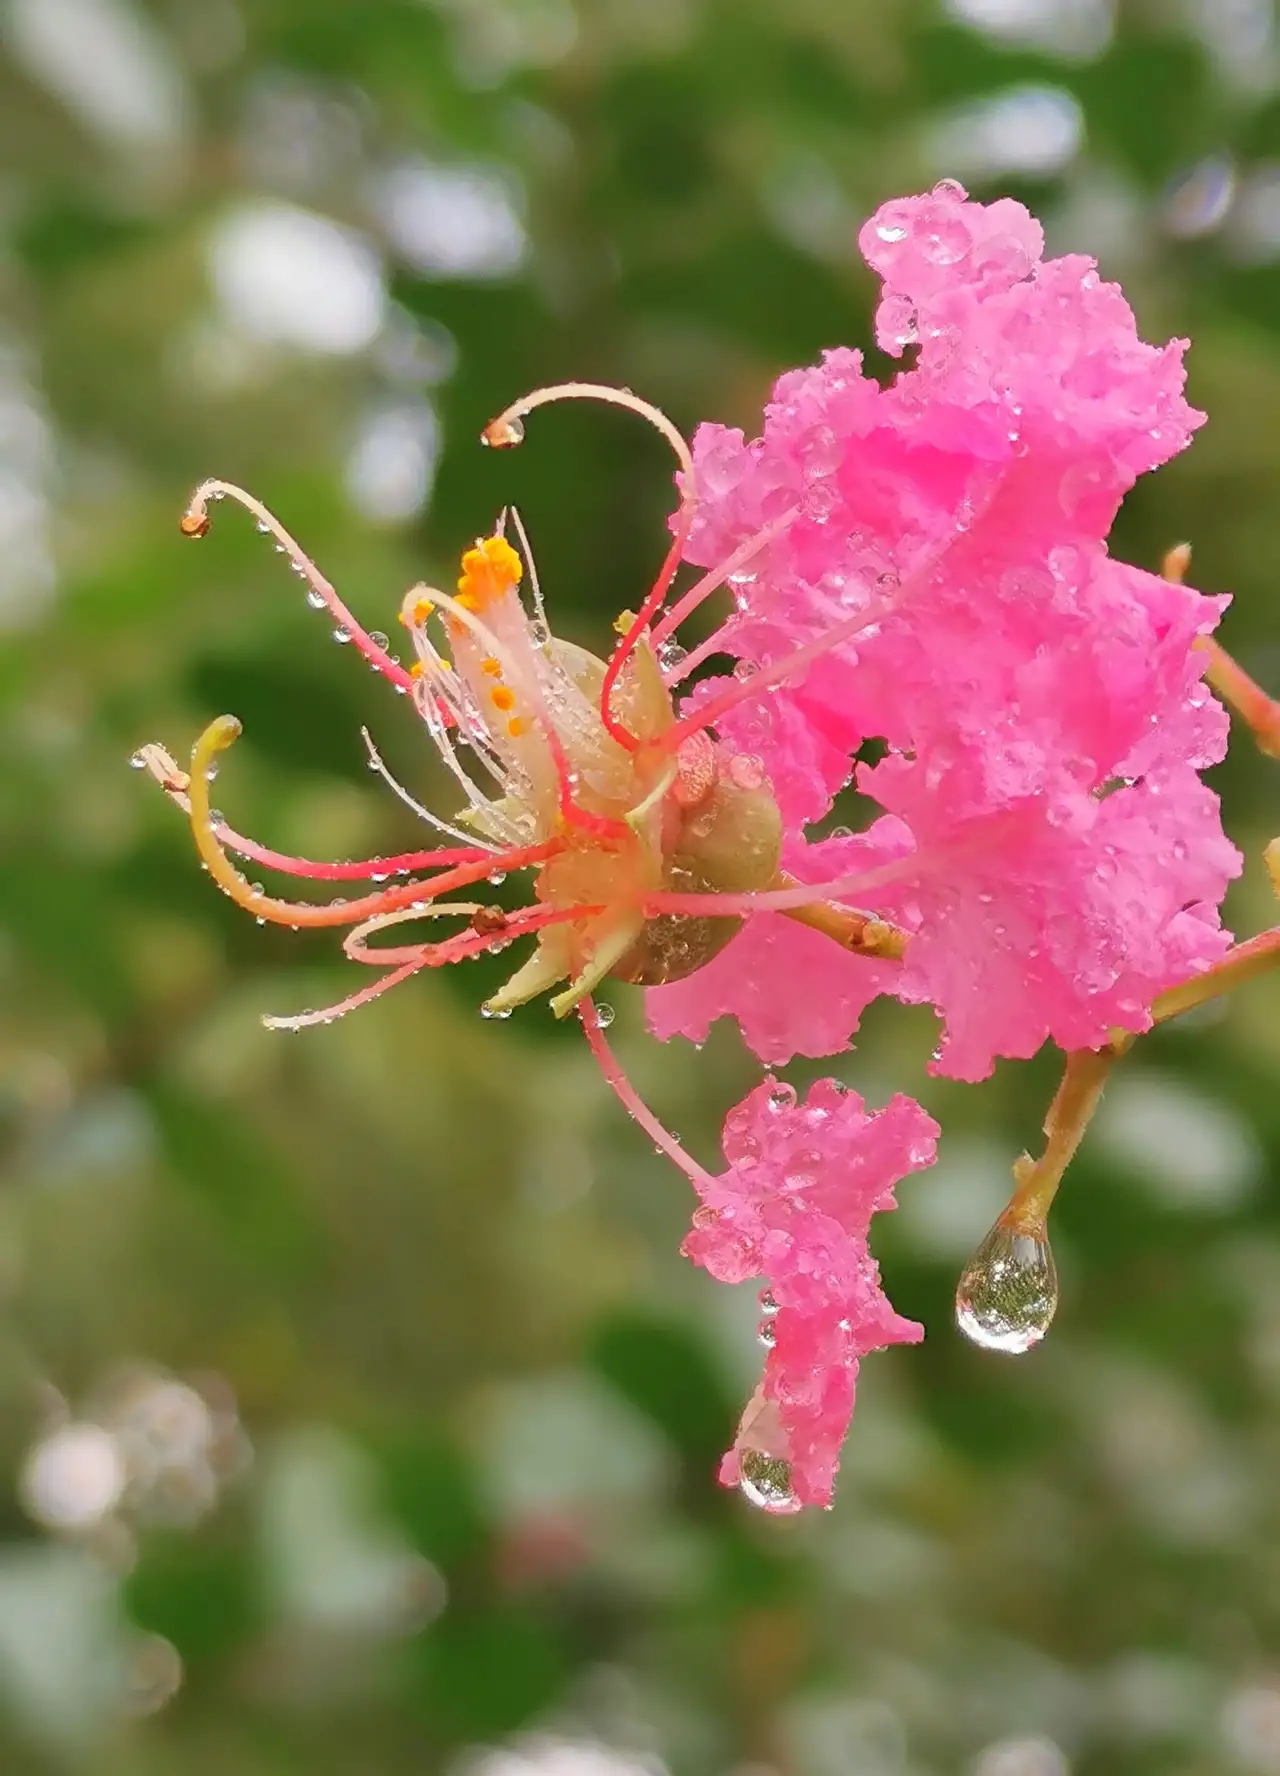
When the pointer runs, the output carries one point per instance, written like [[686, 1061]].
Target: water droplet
[[765, 1482], [217, 817], [499, 1013], [840, 832], [671, 655], [315, 599], [262, 527], [503, 434], [138, 762], [890, 233], [950, 188], [1008, 1291], [768, 1303], [605, 1015], [497, 878], [767, 1334], [378, 639], [342, 633], [782, 1097]]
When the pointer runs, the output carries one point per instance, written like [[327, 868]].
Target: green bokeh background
[[470, 1500]]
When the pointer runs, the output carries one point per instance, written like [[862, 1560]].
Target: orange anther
[[415, 671], [418, 612], [490, 667], [502, 698], [489, 570], [516, 726]]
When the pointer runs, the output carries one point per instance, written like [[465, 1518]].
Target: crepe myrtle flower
[[921, 563]]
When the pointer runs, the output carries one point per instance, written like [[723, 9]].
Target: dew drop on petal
[[765, 1482], [891, 233], [767, 1333], [1008, 1291], [950, 188], [768, 1302]]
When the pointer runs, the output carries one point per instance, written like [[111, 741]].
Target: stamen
[[599, 825], [506, 430], [634, 1104], [639, 623], [219, 735], [714, 578], [416, 807], [801, 657], [306, 1020], [195, 523], [782, 900], [469, 942], [175, 782]]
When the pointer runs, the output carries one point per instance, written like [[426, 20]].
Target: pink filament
[[715, 578], [633, 1103], [627, 646], [377, 656]]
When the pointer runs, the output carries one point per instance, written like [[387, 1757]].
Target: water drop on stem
[[1008, 1291]]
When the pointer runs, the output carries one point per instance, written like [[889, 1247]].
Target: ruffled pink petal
[[795, 1208]]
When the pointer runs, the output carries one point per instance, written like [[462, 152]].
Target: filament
[[195, 522], [505, 430]]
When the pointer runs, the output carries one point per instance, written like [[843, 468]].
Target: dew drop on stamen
[[605, 1015], [503, 434], [1008, 1291], [262, 527], [378, 639], [671, 655], [765, 1482], [138, 762], [315, 599]]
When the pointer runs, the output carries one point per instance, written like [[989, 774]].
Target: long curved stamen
[[506, 430], [377, 764], [306, 1020], [462, 943], [216, 738], [801, 657], [633, 1103], [175, 782], [742, 690], [599, 825], [714, 578], [636, 628], [781, 900], [195, 523]]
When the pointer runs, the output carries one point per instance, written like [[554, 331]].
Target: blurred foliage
[[439, 1468]]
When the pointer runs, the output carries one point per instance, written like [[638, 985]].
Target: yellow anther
[[623, 621], [415, 671], [490, 667], [502, 698], [489, 570], [418, 612]]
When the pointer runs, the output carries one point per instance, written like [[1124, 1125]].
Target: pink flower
[[921, 565], [1040, 702], [795, 1207]]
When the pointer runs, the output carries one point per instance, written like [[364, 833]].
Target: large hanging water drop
[[765, 1482], [1008, 1291]]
